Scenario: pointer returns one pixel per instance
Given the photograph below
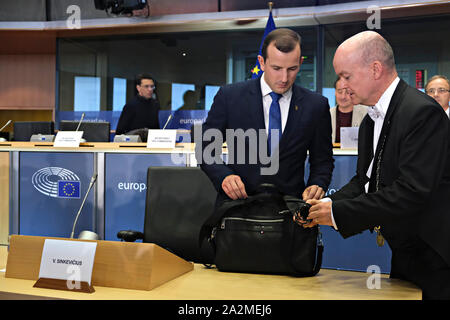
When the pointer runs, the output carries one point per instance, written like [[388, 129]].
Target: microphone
[[79, 123], [93, 179], [1, 138], [9, 121], [168, 119]]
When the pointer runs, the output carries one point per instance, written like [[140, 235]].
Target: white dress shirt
[[447, 112], [382, 105], [285, 101]]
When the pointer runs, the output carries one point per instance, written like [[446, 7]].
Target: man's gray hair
[[438, 76], [375, 48]]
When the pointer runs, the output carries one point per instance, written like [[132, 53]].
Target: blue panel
[[126, 187], [42, 211], [354, 253], [357, 252], [181, 119]]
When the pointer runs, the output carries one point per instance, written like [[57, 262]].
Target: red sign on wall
[[420, 76]]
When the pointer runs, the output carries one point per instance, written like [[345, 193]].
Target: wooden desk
[[210, 284]]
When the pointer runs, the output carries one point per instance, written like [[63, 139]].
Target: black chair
[[23, 130], [92, 131], [179, 200]]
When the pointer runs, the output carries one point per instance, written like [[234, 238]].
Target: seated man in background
[[345, 114], [142, 111], [438, 87]]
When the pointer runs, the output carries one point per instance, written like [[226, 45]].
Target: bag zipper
[[222, 225]]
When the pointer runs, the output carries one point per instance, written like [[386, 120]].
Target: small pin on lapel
[[296, 108]]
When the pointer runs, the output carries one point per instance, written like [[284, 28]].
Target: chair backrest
[[92, 131], [23, 130], [179, 200]]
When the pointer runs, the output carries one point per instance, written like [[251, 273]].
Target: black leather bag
[[258, 235]]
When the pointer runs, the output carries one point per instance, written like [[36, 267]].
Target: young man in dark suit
[[263, 109], [402, 185]]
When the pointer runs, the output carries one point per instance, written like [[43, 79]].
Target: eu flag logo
[[68, 189], [270, 26]]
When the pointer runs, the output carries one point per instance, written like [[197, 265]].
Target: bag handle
[[216, 217], [267, 188]]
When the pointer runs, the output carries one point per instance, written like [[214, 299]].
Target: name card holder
[[69, 139], [58, 284], [161, 139], [67, 265]]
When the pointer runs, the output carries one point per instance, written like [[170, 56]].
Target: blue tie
[[274, 120]]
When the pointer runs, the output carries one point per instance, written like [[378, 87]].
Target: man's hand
[[313, 192], [319, 213], [234, 187]]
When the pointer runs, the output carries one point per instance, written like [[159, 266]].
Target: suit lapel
[[365, 149], [255, 105], [396, 98], [294, 115]]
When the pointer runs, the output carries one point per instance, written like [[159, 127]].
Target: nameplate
[[161, 139], [71, 261], [349, 137], [68, 139]]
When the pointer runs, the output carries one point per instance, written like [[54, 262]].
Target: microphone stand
[[93, 179], [79, 123], [1, 138], [167, 122], [9, 121]]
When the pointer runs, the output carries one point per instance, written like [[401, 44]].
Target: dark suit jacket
[[308, 128], [414, 196]]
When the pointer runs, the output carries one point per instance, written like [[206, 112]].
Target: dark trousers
[[424, 267]]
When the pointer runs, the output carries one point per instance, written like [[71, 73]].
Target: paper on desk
[[349, 137]]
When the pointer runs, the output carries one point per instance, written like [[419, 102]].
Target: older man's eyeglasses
[[437, 90]]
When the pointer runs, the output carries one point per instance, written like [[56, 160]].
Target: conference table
[[116, 202], [210, 284]]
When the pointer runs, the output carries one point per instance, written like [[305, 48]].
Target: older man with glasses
[[438, 87]]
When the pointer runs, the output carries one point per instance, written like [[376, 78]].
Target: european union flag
[[256, 71], [68, 189]]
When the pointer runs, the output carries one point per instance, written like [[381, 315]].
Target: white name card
[[68, 260], [162, 139], [68, 139], [349, 137]]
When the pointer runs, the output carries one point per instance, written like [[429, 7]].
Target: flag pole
[[270, 6]]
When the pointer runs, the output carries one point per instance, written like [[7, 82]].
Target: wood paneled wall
[[27, 81], [27, 75]]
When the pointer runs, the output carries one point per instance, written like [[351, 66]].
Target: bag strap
[[319, 255], [320, 247], [318, 261]]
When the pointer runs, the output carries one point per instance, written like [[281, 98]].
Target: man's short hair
[[284, 40], [336, 81], [139, 77], [438, 76]]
